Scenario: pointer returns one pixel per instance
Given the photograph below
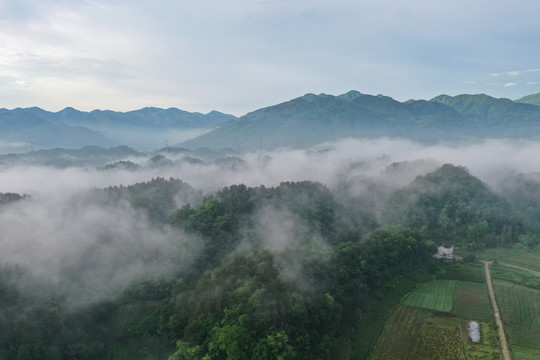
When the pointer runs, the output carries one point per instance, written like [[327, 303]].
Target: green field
[[520, 311], [515, 256], [471, 301], [357, 339], [414, 333], [402, 335], [518, 306], [424, 328], [526, 260], [518, 276], [466, 271], [437, 295], [525, 353]]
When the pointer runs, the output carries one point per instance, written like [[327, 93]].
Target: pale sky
[[236, 56]]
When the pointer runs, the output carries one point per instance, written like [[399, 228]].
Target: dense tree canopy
[[282, 271]]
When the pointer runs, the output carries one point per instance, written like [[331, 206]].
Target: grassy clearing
[[437, 295], [471, 301]]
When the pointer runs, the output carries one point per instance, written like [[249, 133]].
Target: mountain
[[31, 127], [149, 117], [313, 119], [71, 128], [533, 99]]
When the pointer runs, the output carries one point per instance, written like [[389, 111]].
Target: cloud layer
[[237, 56]]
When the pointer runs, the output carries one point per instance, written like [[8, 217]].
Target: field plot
[[415, 333], [518, 276], [525, 353], [487, 348], [432, 322], [518, 306], [401, 337], [525, 260], [465, 271], [471, 301], [437, 295], [520, 311]]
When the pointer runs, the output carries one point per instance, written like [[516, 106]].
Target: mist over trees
[[267, 255]]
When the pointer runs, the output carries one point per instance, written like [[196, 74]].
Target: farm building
[[445, 252]]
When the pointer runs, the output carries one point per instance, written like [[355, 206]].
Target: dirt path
[[502, 337], [535, 273]]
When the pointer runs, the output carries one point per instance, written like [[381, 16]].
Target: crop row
[[524, 335], [518, 305]]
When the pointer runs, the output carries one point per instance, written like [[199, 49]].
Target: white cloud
[[510, 84], [239, 55]]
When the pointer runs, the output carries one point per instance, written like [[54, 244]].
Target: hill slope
[[313, 119], [530, 99]]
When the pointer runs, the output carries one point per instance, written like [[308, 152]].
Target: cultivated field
[[471, 301], [414, 333], [516, 279], [437, 295], [526, 260], [520, 310], [465, 271], [432, 323]]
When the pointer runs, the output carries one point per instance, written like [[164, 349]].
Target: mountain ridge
[[311, 119], [299, 122], [72, 128]]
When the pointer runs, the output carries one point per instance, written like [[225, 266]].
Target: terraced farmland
[[437, 295]]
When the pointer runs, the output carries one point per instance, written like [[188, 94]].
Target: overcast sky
[[239, 55]]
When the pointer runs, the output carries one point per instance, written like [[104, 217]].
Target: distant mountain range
[[300, 122], [70, 128], [313, 119]]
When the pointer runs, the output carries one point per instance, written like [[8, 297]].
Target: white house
[[445, 252]]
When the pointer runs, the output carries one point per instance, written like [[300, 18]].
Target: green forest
[[293, 271]]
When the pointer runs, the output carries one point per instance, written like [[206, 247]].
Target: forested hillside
[[284, 272]]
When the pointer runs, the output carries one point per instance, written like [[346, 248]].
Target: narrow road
[[502, 337]]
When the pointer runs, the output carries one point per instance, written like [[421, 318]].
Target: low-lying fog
[[490, 160], [65, 232]]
